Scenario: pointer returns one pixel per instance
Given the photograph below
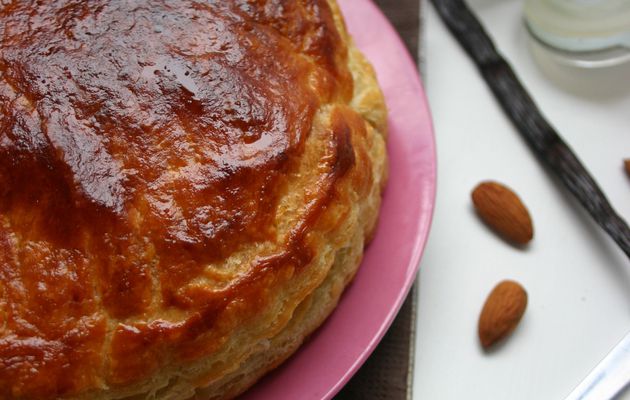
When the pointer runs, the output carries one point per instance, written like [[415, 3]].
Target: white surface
[[577, 280]]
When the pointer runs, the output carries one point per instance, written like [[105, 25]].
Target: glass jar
[[581, 26]]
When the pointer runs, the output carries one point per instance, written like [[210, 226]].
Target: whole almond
[[626, 163], [503, 211], [501, 312]]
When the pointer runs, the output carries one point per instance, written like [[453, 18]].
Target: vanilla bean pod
[[529, 121]]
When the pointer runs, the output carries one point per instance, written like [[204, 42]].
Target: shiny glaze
[[140, 141]]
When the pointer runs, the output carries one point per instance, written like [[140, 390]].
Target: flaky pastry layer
[[185, 191]]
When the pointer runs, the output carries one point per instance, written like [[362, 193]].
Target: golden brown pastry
[[186, 188]]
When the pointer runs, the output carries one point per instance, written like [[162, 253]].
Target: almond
[[626, 163], [500, 208], [502, 312]]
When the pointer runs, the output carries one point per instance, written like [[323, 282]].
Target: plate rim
[[427, 211]]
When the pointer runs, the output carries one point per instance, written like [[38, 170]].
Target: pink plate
[[338, 349]]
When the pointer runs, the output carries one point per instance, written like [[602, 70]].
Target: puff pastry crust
[[186, 188]]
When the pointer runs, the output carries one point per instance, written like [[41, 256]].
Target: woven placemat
[[388, 373]]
